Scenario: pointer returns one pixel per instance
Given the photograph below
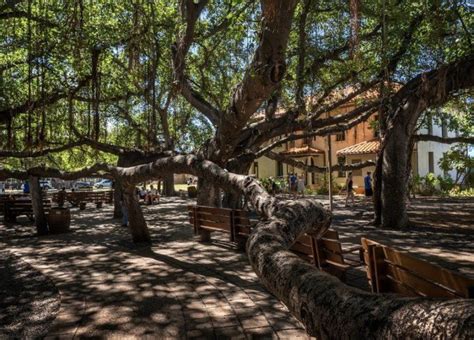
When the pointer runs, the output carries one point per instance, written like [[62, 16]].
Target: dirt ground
[[180, 288]]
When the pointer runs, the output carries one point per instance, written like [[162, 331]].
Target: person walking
[[368, 185], [301, 185], [349, 188], [293, 185]]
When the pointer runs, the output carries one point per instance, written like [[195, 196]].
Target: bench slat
[[420, 285]]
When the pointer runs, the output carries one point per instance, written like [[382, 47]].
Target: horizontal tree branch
[[40, 153], [314, 168], [23, 14], [444, 140]]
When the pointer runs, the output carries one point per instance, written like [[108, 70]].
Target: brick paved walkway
[[178, 288]]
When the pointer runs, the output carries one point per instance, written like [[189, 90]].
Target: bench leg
[[241, 243], [204, 235], [82, 206], [98, 205], [10, 218]]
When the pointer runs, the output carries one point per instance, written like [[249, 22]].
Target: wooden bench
[[22, 206], [6, 197], [394, 271], [206, 220], [81, 198], [327, 253]]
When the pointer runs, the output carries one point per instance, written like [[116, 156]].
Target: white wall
[[423, 148]]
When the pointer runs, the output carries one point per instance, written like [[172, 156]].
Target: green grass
[[178, 187]]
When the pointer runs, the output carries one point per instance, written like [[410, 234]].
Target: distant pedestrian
[[301, 185], [368, 185], [26, 187], [293, 184], [349, 188]]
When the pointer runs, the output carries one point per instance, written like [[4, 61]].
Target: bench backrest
[[325, 253], [393, 271], [232, 221], [87, 196], [24, 204]]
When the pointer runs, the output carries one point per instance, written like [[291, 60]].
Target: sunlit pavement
[[177, 288]]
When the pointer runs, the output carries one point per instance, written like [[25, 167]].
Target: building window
[[340, 136], [444, 129], [356, 172], [279, 171], [431, 162], [255, 169], [341, 160]]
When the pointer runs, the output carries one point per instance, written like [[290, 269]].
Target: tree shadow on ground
[[176, 288]]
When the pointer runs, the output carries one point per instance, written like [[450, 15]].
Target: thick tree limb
[[445, 140], [22, 14], [190, 12], [97, 170], [314, 168], [267, 67], [334, 124], [39, 153]]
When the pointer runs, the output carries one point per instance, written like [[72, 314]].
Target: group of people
[[350, 187], [297, 184], [149, 196]]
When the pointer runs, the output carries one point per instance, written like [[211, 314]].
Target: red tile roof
[[302, 151], [366, 147]]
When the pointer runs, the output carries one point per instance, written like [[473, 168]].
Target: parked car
[[104, 183], [46, 185], [82, 185]]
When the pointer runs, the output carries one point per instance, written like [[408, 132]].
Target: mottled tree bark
[[168, 185], [118, 190], [37, 204], [394, 179], [136, 222]]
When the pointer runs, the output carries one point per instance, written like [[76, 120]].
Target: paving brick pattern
[[178, 288]]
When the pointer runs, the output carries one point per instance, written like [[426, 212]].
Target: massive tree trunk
[[377, 199], [118, 190], [394, 178], [136, 221], [208, 194], [429, 89], [37, 204], [168, 185]]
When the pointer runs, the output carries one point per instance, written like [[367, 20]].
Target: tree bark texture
[[118, 191], [37, 204], [136, 221], [394, 178], [168, 185]]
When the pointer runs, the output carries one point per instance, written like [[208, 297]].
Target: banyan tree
[[153, 89]]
